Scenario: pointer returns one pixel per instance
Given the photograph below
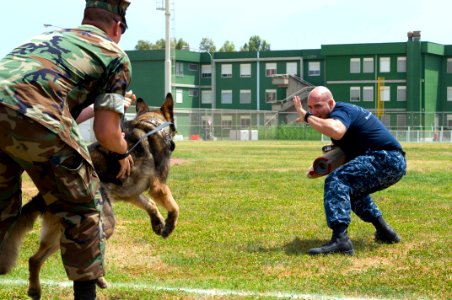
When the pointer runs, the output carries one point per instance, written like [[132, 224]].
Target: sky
[[284, 24]]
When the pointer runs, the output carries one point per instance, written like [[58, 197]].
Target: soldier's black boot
[[340, 243], [384, 233], [85, 290]]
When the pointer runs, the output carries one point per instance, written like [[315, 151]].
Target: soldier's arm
[[108, 133], [88, 112], [107, 129]]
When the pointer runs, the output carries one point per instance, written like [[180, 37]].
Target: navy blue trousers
[[348, 188]]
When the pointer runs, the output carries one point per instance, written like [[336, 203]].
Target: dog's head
[[157, 145], [148, 120]]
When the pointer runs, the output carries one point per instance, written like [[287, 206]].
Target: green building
[[407, 84]]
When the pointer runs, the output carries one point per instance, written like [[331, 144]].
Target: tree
[[146, 45], [207, 45], [181, 45], [143, 45], [256, 44], [160, 44], [228, 46]]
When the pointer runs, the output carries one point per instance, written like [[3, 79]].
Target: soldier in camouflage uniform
[[44, 85], [375, 161]]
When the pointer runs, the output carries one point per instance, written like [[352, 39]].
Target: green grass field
[[248, 216]]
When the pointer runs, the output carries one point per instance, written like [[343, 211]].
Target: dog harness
[[155, 130]]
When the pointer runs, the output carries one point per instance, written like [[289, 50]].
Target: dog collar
[[156, 129]]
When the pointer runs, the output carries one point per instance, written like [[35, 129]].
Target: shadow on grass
[[299, 246]]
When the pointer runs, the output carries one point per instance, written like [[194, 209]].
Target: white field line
[[204, 292]]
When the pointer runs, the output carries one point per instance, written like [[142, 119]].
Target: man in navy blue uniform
[[375, 161]]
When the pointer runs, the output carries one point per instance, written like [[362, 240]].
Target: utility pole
[[167, 48], [167, 45]]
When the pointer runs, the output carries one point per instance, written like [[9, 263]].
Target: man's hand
[[301, 112], [129, 99], [126, 165]]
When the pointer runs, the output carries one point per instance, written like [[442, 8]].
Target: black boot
[[340, 243], [384, 233], [85, 290]]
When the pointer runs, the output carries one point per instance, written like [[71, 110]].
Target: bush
[[289, 132]]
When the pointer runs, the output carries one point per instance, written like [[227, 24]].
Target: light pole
[[212, 79], [167, 47]]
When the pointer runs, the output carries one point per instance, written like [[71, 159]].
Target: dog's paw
[[170, 223], [169, 228], [158, 229], [157, 225]]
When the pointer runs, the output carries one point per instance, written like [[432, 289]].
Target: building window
[[226, 71], [206, 97], [385, 93], [449, 65], [368, 65], [449, 93], [179, 69], [206, 122], [401, 120], [355, 93], [179, 96], [291, 68], [226, 122], [206, 71], [245, 121], [401, 93], [270, 69], [355, 65], [193, 93], [314, 68], [192, 67], [449, 120], [226, 97], [385, 65], [270, 96], [245, 96], [245, 70], [368, 93], [401, 64], [386, 120]]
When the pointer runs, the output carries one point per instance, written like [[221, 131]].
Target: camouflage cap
[[117, 7]]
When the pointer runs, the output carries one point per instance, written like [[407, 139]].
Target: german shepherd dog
[[151, 156]]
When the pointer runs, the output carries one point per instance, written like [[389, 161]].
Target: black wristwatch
[[306, 116], [118, 156]]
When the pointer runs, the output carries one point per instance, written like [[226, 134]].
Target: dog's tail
[[24, 223]]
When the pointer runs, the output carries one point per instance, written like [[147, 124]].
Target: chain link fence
[[208, 124]]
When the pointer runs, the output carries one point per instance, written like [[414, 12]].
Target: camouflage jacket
[[55, 75]]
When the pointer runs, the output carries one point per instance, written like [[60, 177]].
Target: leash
[[156, 129]]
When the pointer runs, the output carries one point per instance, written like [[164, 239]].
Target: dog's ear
[[141, 106], [167, 107]]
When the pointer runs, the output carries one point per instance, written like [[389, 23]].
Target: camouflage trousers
[[348, 188], [67, 182]]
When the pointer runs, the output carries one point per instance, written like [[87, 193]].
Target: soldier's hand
[[129, 99], [126, 165]]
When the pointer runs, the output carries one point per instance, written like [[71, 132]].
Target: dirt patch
[[140, 257], [175, 161]]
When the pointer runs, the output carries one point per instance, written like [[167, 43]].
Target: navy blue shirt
[[364, 131]]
